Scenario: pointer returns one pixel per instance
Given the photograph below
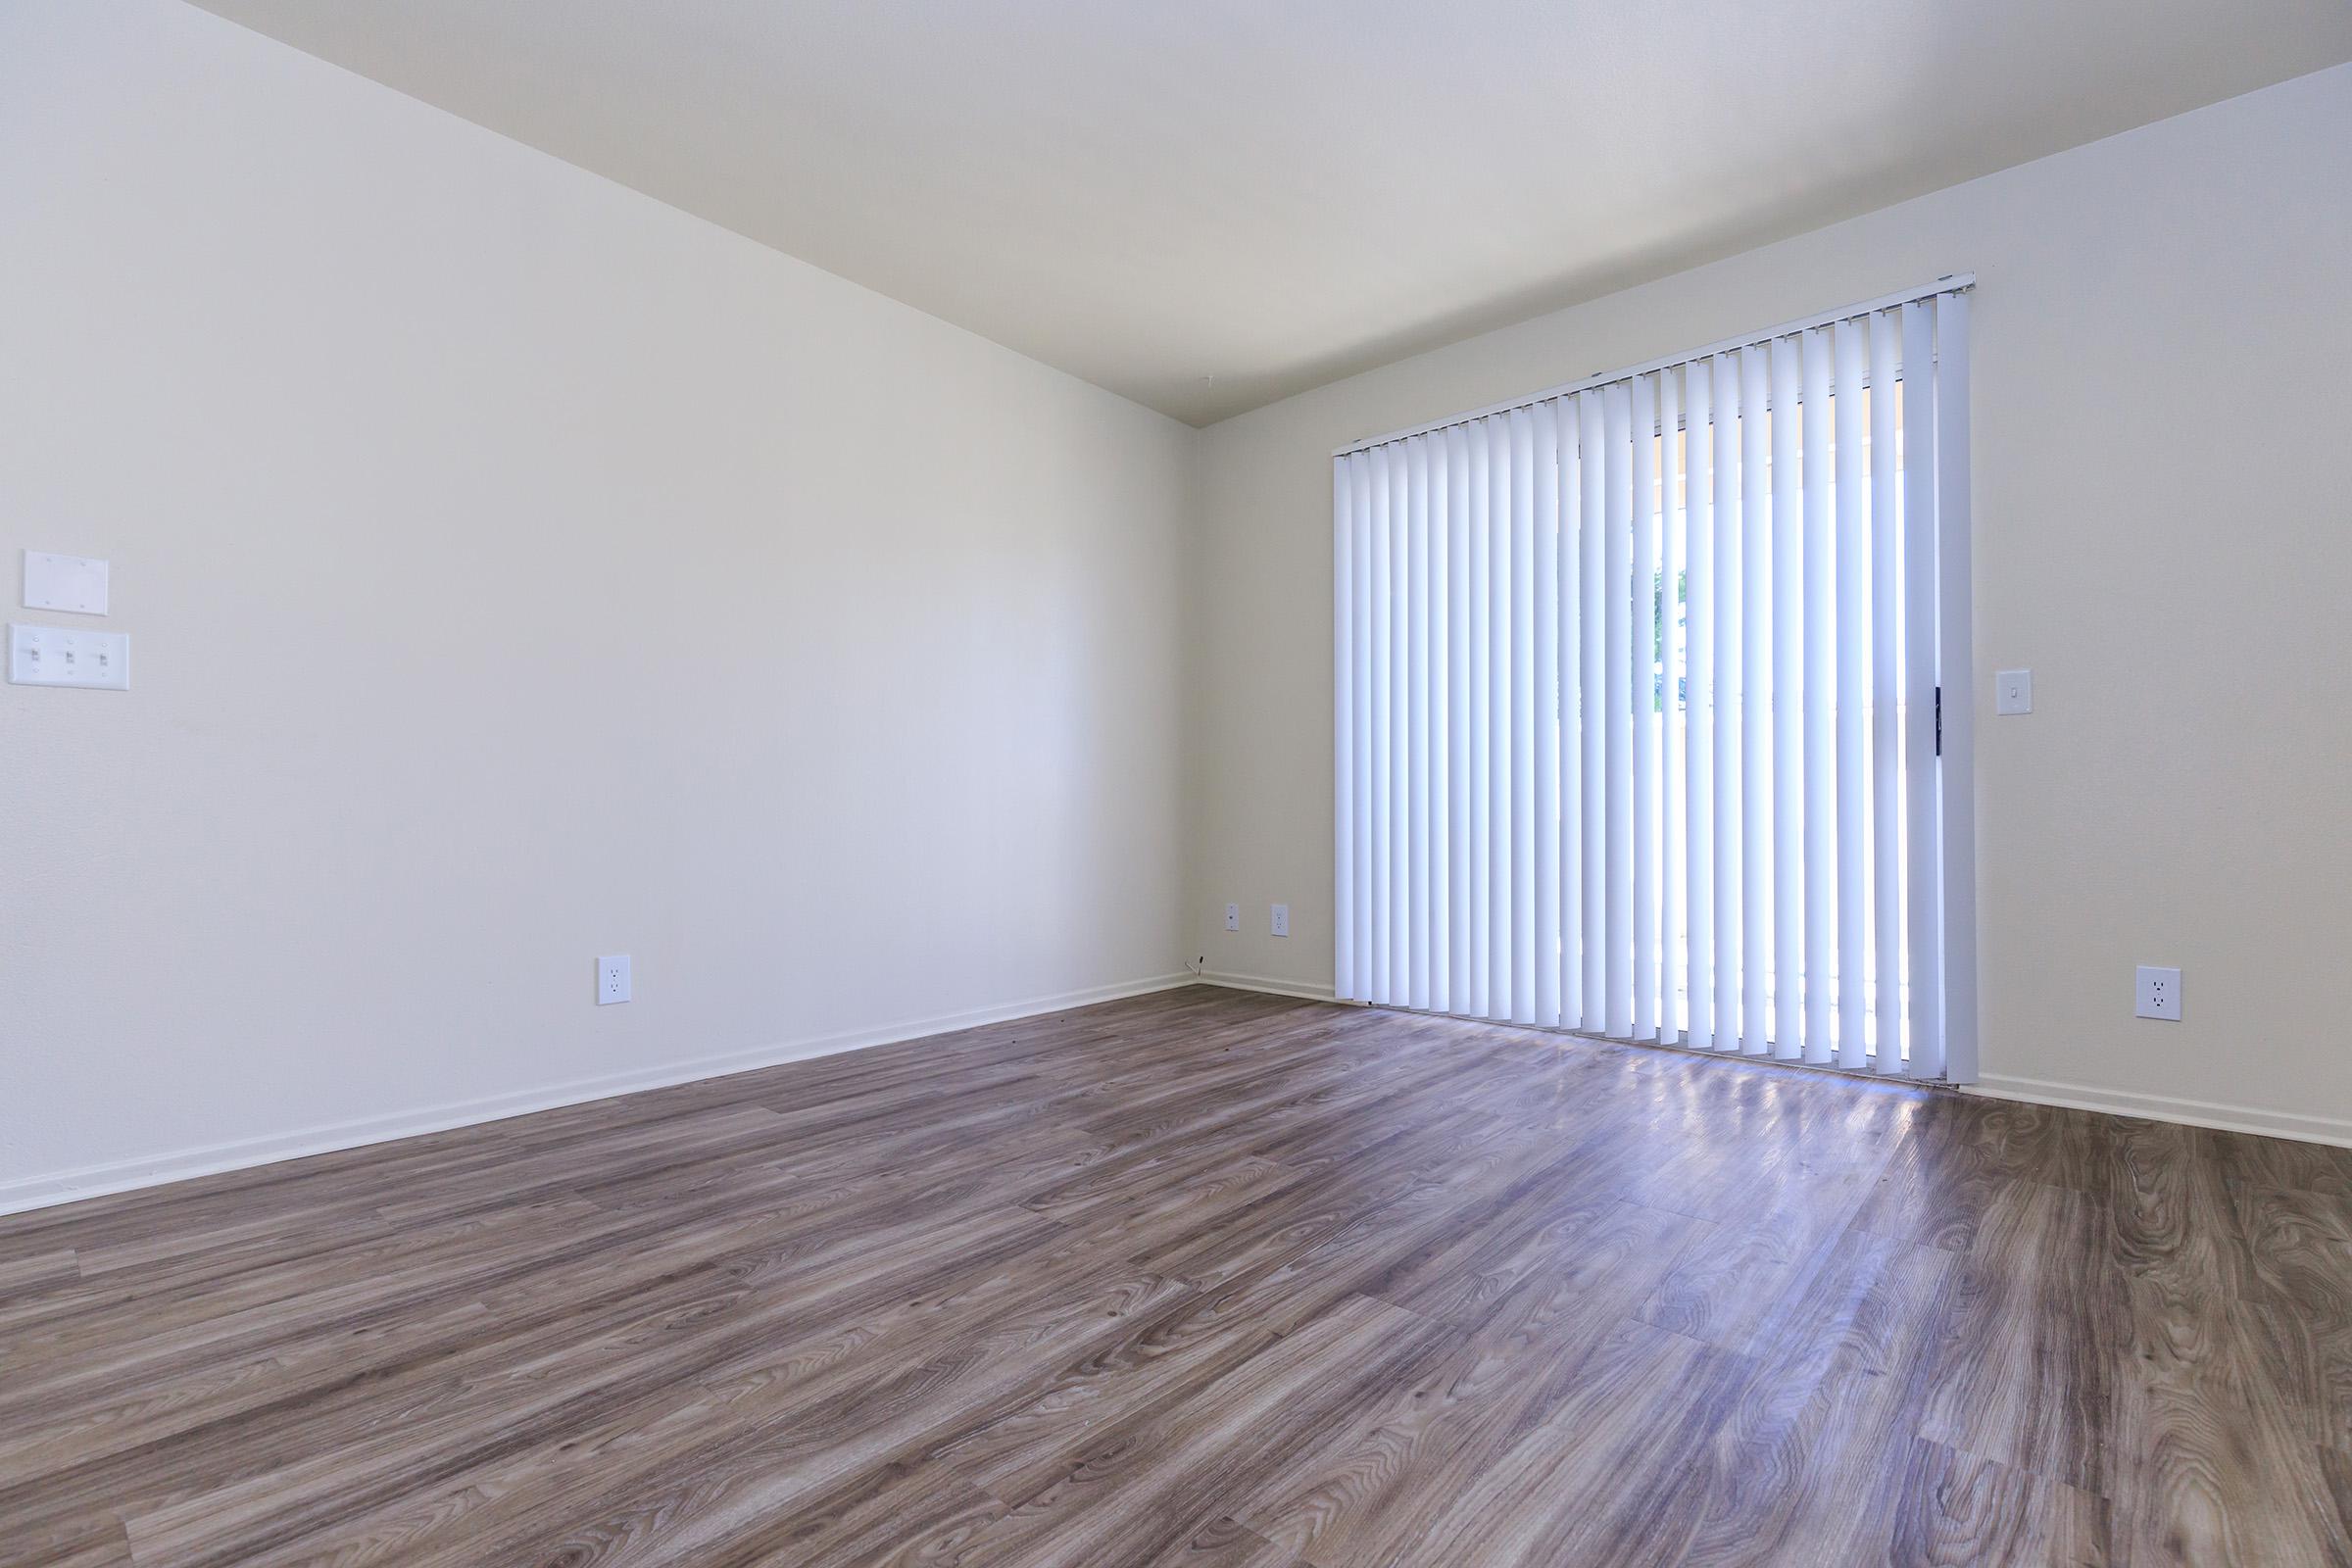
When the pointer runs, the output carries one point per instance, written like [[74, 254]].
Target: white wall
[[2164, 535], [519, 569]]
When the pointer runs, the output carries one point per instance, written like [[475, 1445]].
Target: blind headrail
[[1950, 283]]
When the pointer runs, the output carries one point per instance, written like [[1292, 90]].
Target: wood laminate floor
[[1205, 1279]]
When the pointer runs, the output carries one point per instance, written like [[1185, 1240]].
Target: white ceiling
[[1273, 193]]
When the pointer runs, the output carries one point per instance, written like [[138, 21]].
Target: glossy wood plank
[[1960, 1511], [2025, 1365], [1211, 1279]]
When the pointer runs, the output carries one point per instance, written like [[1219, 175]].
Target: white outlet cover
[[1282, 919], [73, 583], [611, 979], [2013, 691], [56, 656], [2159, 994], [1233, 917]]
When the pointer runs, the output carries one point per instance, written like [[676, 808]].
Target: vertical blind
[[1653, 699]]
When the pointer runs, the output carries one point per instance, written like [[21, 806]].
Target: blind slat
[[1618, 847], [1519, 436], [1642, 714], [1437, 763], [1416, 695], [1594, 439], [1819, 807], [1886, 675], [1572, 699], [1361, 484], [1459, 843], [1730, 730], [1698, 486], [1500, 935], [1851, 595], [1399, 925], [1384, 746], [1954, 605], [1542, 960], [1783, 701], [1674, 981], [1925, 938], [1757, 606], [1479, 845], [1342, 720]]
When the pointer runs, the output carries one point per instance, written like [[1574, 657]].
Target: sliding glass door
[[1649, 696]]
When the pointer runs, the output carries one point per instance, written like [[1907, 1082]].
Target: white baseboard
[[2073, 1096], [1272, 988], [2161, 1107], [128, 1175]]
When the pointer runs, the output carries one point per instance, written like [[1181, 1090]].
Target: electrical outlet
[[611, 979], [1233, 917], [1282, 919], [2159, 994]]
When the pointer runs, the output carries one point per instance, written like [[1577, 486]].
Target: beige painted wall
[[519, 569], [2163, 397]]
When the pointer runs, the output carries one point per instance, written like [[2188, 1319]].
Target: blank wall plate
[[53, 656], [2013, 691], [1282, 919], [611, 979], [2159, 994], [73, 583]]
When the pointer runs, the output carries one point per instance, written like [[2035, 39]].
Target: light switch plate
[[2013, 691], [73, 583], [1282, 919], [53, 656]]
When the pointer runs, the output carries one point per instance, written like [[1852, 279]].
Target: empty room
[[1133, 784]]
